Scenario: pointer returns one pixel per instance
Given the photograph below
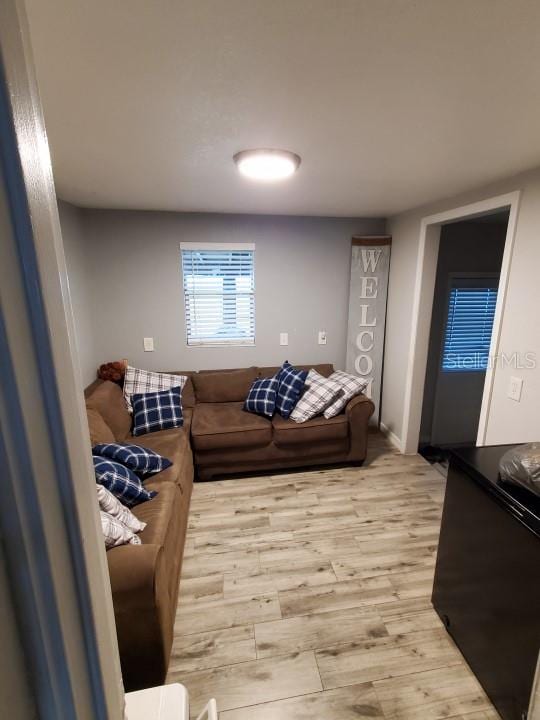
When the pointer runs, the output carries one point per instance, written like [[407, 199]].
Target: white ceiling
[[390, 103]]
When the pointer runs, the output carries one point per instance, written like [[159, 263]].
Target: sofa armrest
[[133, 570], [358, 411], [139, 590]]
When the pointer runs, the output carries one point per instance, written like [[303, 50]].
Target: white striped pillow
[[115, 533], [140, 382], [351, 386], [111, 505], [319, 392]]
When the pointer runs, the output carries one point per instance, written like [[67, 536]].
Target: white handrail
[[210, 711]]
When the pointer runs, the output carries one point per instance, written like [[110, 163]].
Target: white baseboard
[[396, 442]]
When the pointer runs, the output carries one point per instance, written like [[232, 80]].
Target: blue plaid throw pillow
[[139, 459], [291, 384], [261, 398], [121, 481], [157, 411]]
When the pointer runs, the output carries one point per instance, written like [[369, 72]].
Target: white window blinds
[[219, 294], [469, 324]]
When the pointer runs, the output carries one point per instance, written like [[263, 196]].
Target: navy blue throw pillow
[[291, 384], [121, 481], [139, 459], [261, 398], [157, 411]]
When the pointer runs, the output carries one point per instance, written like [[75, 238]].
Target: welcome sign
[[370, 265]]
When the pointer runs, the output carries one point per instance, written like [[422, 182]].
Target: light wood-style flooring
[[307, 595]]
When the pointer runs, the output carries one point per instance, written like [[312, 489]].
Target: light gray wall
[[77, 252], [302, 270], [465, 247], [508, 421]]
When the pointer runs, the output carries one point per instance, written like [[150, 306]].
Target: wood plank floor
[[307, 595]]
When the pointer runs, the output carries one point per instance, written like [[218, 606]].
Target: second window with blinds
[[219, 293]]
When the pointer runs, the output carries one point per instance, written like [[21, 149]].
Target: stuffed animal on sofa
[[113, 371]]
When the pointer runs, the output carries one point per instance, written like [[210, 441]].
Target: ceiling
[[390, 103]]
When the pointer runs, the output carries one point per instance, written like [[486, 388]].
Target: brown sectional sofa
[[145, 578], [225, 439]]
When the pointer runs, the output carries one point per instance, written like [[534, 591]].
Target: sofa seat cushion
[[316, 430], [226, 425]]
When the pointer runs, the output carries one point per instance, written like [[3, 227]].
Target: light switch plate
[[514, 388], [283, 338], [148, 344], [322, 337]]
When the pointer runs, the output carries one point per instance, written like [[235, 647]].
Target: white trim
[[225, 343], [209, 711], [216, 246], [396, 442], [51, 532], [534, 706], [497, 321], [430, 228]]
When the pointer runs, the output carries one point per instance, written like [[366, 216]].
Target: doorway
[[464, 301], [424, 286]]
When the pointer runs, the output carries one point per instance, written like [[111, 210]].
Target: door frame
[[50, 527], [424, 287]]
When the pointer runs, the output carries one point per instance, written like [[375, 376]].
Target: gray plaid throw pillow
[[319, 392], [351, 386], [111, 505], [116, 533], [140, 382]]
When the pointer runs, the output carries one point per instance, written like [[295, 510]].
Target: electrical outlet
[[283, 338], [322, 337], [514, 388], [148, 344]]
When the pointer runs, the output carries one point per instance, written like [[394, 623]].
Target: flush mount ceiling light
[[268, 165]]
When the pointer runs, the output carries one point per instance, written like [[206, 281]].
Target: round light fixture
[[268, 165]]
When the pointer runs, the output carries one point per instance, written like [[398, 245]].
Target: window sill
[[220, 345]]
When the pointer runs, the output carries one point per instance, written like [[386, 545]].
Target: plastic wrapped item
[[521, 466]]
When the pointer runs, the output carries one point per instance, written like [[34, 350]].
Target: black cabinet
[[487, 577]]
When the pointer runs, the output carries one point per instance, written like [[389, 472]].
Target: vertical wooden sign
[[370, 265]]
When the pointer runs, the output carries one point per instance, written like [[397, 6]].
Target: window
[[469, 323], [219, 293]]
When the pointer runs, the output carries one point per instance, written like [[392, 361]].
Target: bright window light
[[219, 293]]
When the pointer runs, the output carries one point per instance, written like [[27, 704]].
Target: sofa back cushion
[[100, 432], [107, 399], [223, 385], [188, 391], [324, 369]]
